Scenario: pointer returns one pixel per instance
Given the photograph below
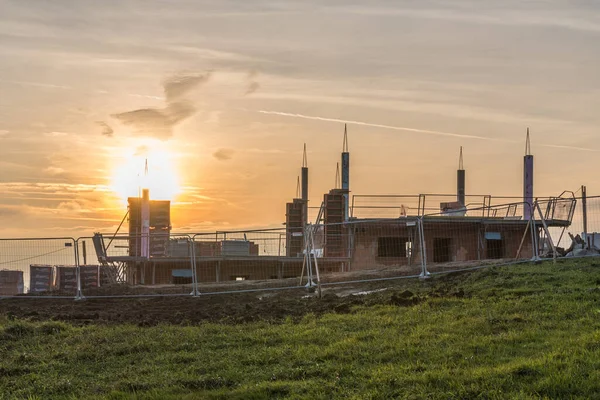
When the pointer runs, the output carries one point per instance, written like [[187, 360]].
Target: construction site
[[340, 233]]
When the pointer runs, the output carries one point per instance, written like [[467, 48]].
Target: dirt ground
[[260, 302], [273, 306]]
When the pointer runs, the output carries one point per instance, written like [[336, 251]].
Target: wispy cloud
[[56, 134], [252, 87], [106, 129], [54, 171], [51, 205], [263, 151], [37, 84], [224, 154], [141, 151], [52, 187], [521, 15], [143, 96], [253, 84], [177, 86]]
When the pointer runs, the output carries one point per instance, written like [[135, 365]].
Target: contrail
[[396, 128], [425, 131], [557, 146]]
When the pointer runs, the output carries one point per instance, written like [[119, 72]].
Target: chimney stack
[[528, 180], [460, 180], [346, 173], [305, 185]]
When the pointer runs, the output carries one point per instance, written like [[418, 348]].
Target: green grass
[[529, 331]]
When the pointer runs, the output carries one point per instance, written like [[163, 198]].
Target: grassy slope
[[518, 332]]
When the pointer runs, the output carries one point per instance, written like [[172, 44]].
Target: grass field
[[528, 331]]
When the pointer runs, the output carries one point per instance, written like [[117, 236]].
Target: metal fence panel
[[41, 266], [123, 271]]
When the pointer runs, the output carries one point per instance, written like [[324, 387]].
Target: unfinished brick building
[[461, 228]]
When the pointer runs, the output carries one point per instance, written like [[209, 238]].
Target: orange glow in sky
[[221, 107], [129, 177]]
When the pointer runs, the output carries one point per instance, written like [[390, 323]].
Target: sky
[[220, 96]]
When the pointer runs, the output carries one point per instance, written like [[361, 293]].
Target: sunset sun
[[130, 174]]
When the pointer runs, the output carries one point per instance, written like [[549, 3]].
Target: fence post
[[312, 243], [307, 249], [307, 259], [534, 235], [585, 216], [421, 233], [192, 243], [79, 294], [548, 237]]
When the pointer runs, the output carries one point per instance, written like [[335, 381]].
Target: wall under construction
[[387, 244], [294, 222], [336, 237], [210, 270]]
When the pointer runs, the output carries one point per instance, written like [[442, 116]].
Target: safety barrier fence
[[393, 206], [359, 250]]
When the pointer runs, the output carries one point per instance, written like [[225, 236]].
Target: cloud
[[58, 158], [159, 122], [177, 86], [224, 154], [146, 96], [11, 211], [55, 134], [252, 87], [213, 117], [548, 16], [37, 84], [54, 171], [141, 151], [106, 129], [69, 206]]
